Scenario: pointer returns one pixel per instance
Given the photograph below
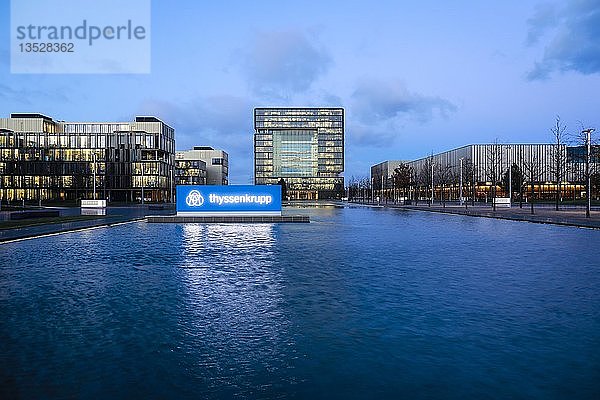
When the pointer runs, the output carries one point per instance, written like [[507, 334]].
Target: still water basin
[[360, 303]]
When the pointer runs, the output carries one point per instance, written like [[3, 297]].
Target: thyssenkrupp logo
[[194, 199]]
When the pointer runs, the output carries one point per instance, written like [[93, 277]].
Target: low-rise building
[[485, 164], [202, 162], [190, 172]]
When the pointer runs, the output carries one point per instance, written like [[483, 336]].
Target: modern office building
[[535, 164], [303, 147], [203, 162], [45, 159]]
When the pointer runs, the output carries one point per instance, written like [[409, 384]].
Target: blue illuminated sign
[[229, 200]]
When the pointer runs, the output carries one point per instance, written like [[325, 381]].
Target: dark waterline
[[360, 303]]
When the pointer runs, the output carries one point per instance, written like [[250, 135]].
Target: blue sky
[[414, 77]]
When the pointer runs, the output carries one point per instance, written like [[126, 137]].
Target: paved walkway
[[543, 214], [114, 215], [9, 235]]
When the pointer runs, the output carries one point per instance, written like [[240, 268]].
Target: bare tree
[[358, 188], [558, 156], [532, 171], [517, 180], [469, 176], [366, 187], [492, 171], [595, 181], [353, 188], [443, 174], [421, 178], [426, 176], [453, 181], [402, 178], [415, 183]]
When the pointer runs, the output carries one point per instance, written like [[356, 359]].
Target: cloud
[[378, 100], [313, 98], [280, 64], [320, 98], [543, 18], [28, 96], [223, 122], [541, 71], [380, 110], [204, 118], [374, 135], [574, 45]]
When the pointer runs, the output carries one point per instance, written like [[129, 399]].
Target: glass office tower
[[45, 159], [303, 147]]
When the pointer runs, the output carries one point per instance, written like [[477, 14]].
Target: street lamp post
[[588, 145], [142, 164], [460, 185], [509, 176], [94, 175], [431, 202], [473, 189], [510, 184], [381, 194]]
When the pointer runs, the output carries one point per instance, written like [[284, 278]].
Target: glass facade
[[43, 159], [302, 146], [190, 172], [295, 153]]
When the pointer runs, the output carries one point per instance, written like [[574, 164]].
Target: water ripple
[[360, 303]]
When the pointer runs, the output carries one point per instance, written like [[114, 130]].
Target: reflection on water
[[93, 211], [234, 296], [227, 245]]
